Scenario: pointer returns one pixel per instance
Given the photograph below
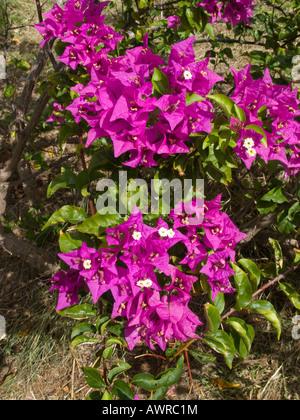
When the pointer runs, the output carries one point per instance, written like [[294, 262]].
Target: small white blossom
[[163, 232], [187, 75], [140, 283], [147, 283], [171, 233], [248, 143], [144, 283], [87, 264], [251, 152], [136, 235]]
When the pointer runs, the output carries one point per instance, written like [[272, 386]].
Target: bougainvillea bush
[[151, 109]]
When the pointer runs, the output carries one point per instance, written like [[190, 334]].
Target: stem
[[263, 288], [150, 354], [189, 369], [184, 348]]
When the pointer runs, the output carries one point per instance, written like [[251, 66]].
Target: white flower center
[[140, 283], [136, 235], [144, 283], [248, 143], [87, 264], [163, 232], [187, 75], [171, 233], [251, 152], [147, 283]]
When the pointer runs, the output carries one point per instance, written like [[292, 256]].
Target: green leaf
[[228, 106], [116, 369], [83, 339], [103, 160], [67, 179], [219, 301], [84, 179], [107, 352], [258, 130], [275, 195], [245, 333], [102, 320], [291, 294], [244, 289], [82, 328], [165, 379], [209, 29], [122, 391], [9, 91], [171, 376], [67, 213], [107, 396], [22, 64], [297, 253], [193, 97], [277, 253], [285, 225], [82, 311], [160, 82], [252, 271], [65, 132], [96, 225], [143, 4], [265, 207], [94, 396], [222, 343], [145, 381], [70, 241], [201, 357], [213, 317], [160, 393], [93, 377], [115, 340], [267, 310]]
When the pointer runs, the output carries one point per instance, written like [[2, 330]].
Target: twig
[[185, 347], [42, 260], [41, 171], [263, 288], [150, 354], [189, 369]]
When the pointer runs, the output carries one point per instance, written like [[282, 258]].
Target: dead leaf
[[7, 378], [222, 384], [23, 333]]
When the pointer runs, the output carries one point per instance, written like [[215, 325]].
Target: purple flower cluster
[[150, 292], [262, 100], [211, 241], [118, 101], [233, 11]]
